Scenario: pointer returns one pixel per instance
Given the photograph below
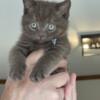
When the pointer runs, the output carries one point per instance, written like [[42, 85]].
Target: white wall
[[1, 89], [10, 28], [88, 90]]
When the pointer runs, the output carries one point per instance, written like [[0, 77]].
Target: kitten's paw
[[16, 74], [38, 75]]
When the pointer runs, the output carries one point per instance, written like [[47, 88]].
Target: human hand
[[47, 89], [69, 90]]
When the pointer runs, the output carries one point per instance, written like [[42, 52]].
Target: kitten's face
[[43, 21]]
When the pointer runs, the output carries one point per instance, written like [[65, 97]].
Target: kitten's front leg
[[47, 64], [17, 62]]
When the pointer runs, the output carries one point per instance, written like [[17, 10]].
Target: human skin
[[47, 89]]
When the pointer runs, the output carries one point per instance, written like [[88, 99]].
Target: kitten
[[57, 1], [44, 26]]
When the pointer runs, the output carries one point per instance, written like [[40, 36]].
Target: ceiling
[[85, 15], [84, 19]]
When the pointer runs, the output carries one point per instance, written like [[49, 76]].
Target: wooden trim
[[2, 81], [88, 77], [79, 78]]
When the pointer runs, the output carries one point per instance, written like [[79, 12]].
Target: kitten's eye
[[34, 26], [51, 28]]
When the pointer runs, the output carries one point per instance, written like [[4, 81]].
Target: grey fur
[[30, 41]]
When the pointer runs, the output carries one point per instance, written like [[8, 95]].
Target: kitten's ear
[[29, 3], [63, 8], [26, 3]]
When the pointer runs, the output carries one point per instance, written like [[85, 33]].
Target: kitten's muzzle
[[41, 38]]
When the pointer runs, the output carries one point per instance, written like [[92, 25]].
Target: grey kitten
[[44, 26]]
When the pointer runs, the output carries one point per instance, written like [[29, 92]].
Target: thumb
[[31, 60], [34, 57]]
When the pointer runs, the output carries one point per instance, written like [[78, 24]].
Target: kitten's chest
[[45, 46]]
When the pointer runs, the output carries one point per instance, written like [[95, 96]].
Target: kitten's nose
[[42, 37]]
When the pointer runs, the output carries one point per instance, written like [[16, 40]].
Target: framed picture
[[90, 44]]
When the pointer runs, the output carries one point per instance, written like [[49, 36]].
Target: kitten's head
[[44, 21]]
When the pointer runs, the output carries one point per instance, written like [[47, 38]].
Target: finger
[[70, 93], [31, 61], [57, 80], [34, 57], [74, 93]]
